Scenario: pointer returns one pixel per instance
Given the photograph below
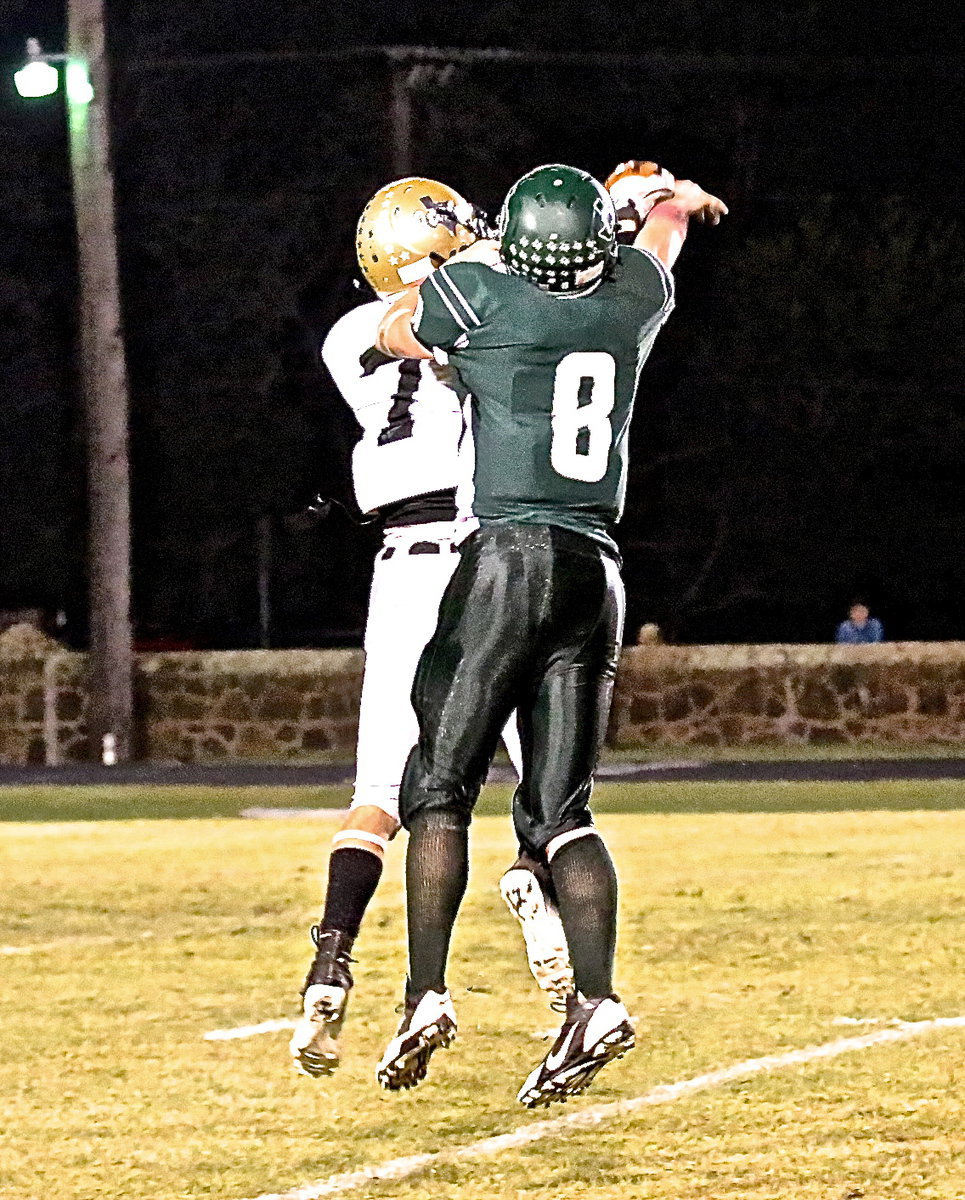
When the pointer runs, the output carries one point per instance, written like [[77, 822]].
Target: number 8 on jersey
[[584, 392]]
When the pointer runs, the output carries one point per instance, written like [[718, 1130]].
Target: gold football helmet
[[408, 228]]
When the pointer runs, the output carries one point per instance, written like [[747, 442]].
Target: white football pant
[[403, 609]]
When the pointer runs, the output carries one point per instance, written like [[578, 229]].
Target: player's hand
[[473, 218], [370, 360], [697, 203], [470, 216]]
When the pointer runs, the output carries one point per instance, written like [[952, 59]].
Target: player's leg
[[528, 892], [563, 729], [563, 724], [354, 870], [402, 613], [464, 690]]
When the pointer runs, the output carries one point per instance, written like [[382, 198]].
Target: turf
[[782, 752], [181, 803], [742, 933], [134, 802]]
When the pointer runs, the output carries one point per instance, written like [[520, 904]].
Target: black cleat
[[594, 1033], [429, 1024], [314, 1044]]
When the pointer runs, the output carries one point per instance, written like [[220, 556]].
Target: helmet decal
[[607, 214], [408, 228], [440, 212], [558, 228]]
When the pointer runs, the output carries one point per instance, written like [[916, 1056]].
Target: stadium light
[[78, 85], [37, 77]]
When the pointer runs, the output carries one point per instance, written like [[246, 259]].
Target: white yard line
[[617, 770], [129, 939], [277, 1024], [259, 813], [666, 1093], [65, 943], [247, 1031]]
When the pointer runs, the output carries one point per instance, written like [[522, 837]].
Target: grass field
[[755, 919]]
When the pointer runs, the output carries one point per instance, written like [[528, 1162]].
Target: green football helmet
[[557, 228]]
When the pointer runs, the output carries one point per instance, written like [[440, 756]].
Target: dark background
[[800, 432]]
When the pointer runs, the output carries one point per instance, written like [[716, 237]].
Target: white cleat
[[546, 949], [594, 1033], [314, 1044], [429, 1024]]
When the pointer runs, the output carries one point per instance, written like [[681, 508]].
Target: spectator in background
[[860, 628]]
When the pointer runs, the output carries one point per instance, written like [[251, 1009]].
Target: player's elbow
[[395, 336]]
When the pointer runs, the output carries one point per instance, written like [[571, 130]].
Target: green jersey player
[[550, 426], [548, 333]]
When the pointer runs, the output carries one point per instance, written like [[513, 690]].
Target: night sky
[[800, 428]]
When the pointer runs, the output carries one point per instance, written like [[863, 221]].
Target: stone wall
[[297, 704], [189, 707], [248, 704], [894, 694], [43, 700]]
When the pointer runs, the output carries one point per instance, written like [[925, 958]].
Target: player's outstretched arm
[[666, 227], [395, 336]]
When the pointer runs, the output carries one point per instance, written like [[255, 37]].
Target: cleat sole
[[409, 1067], [314, 1044], [577, 1079]]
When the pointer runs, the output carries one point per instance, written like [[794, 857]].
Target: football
[[635, 168]]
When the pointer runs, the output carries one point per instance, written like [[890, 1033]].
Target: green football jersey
[[552, 378]]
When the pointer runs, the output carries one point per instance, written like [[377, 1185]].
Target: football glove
[[370, 360], [636, 186]]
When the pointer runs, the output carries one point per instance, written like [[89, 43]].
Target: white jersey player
[[406, 468]]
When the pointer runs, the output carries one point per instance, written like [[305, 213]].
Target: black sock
[[353, 876], [436, 870], [586, 890]]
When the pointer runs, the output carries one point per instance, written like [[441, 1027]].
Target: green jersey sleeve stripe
[[458, 296], [665, 277], [453, 312]]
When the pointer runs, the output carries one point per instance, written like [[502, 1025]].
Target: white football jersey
[[412, 422]]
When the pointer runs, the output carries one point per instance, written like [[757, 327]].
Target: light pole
[[103, 369]]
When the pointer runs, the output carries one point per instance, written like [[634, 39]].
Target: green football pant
[[532, 619]]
